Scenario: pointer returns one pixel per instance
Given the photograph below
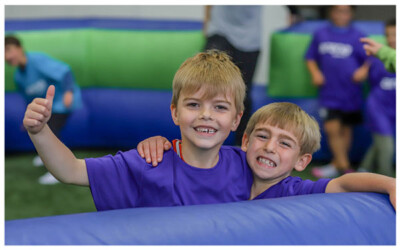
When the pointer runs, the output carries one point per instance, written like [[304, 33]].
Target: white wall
[[121, 11], [274, 17]]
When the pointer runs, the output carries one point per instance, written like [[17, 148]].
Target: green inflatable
[[115, 58]]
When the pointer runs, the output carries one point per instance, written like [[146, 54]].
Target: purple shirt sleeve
[[312, 51], [115, 180], [291, 186], [300, 187]]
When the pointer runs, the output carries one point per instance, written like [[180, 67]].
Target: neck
[[198, 157]]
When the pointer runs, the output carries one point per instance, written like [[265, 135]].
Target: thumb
[[50, 96]]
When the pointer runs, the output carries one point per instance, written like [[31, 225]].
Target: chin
[[206, 144]]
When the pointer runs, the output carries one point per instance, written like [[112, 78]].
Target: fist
[[38, 112]]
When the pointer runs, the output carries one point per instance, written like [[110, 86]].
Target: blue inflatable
[[319, 219]]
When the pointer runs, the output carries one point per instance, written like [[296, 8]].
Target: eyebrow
[[197, 99], [280, 135]]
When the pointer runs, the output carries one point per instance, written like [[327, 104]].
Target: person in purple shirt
[[381, 112], [337, 63], [279, 138], [207, 104]]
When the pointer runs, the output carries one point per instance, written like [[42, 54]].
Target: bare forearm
[[58, 159], [312, 67], [362, 182], [361, 73], [316, 75]]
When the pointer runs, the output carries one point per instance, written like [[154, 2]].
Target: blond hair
[[214, 71], [290, 117]]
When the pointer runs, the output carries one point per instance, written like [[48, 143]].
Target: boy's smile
[[272, 153], [205, 131], [266, 162], [204, 124]]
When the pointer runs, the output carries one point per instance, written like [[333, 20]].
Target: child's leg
[[347, 132], [367, 163], [385, 150], [337, 143]]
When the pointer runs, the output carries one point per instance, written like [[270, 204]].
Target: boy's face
[[390, 32], [205, 124], [13, 54], [341, 15], [273, 153]]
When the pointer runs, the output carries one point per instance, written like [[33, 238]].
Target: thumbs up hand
[[38, 112]]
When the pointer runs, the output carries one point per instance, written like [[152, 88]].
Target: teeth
[[266, 161], [206, 130]]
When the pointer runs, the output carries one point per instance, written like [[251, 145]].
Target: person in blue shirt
[[35, 72]]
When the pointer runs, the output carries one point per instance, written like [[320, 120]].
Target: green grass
[[25, 197]]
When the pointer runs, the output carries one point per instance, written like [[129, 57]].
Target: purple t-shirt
[[381, 102], [338, 53], [126, 180], [291, 186]]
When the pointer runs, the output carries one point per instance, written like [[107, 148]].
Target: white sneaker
[[47, 179], [327, 171], [37, 161]]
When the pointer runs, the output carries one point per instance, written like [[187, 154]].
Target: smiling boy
[[280, 138], [207, 103]]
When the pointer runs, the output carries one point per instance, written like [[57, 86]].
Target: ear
[[174, 114], [236, 122], [302, 162], [245, 142]]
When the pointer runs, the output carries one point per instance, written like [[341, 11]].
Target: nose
[[206, 113], [270, 146]]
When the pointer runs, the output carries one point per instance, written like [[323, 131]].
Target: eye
[[221, 107], [192, 104], [286, 144], [262, 136]]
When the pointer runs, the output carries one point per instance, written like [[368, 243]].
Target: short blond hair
[[290, 117], [214, 71]]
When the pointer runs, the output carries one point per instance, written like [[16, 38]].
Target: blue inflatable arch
[[319, 219]]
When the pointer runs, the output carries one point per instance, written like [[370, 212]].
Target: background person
[[35, 72], [337, 62], [381, 113]]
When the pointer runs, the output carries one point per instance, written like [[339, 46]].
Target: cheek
[[252, 149], [186, 118]]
